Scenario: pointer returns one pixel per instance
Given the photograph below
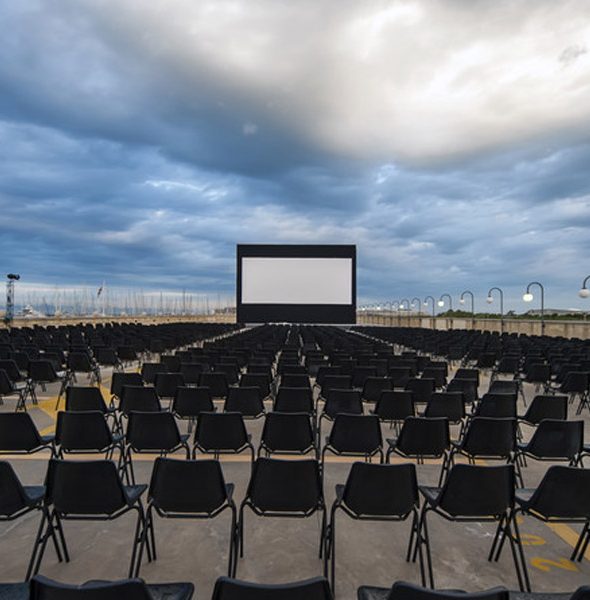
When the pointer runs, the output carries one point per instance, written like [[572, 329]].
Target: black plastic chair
[[139, 398], [422, 389], [121, 379], [309, 589], [373, 387], [446, 404], [150, 370], [475, 493], [375, 493], [86, 491], [217, 383], [554, 440], [153, 432], [222, 433], [42, 588], [166, 384], [245, 400], [10, 388], [284, 488], [294, 399], [354, 435], [468, 387], [42, 372], [340, 401], [295, 380], [545, 407], [19, 435], [91, 399], [334, 382], [394, 406], [496, 406], [399, 376], [189, 489], [257, 380], [17, 500], [408, 591], [191, 372], [562, 496], [576, 385], [287, 433], [80, 362], [422, 438], [190, 402]]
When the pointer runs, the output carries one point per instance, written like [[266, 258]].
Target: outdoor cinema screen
[[296, 284]]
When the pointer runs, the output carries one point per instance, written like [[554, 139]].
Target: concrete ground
[[280, 550]]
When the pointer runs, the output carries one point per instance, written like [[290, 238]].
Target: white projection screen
[[296, 283]]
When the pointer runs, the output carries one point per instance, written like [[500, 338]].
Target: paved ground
[[279, 550]]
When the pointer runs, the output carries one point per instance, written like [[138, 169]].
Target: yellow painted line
[[567, 534]]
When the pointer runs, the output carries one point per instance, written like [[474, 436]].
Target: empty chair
[[9, 388], [375, 493], [340, 401], [576, 385], [42, 588], [230, 370], [42, 372], [127, 354], [422, 389], [504, 386], [408, 591], [217, 384], [422, 438], [373, 387], [245, 400], [90, 399], [171, 361], [107, 357], [399, 376], [464, 373], [149, 371], [545, 407], [222, 433], [538, 374], [19, 435], [394, 406], [294, 399], [190, 402], [498, 406], [191, 372], [191, 489], [439, 375], [335, 382], [80, 362], [287, 433], [555, 440], [446, 404], [468, 387], [121, 379], [295, 380], [354, 435], [17, 500], [310, 589], [474, 493], [507, 365], [360, 374], [86, 490], [283, 488], [166, 384], [140, 399], [258, 380]]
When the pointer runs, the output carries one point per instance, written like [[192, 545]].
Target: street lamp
[[401, 304], [416, 303], [462, 301], [490, 299], [528, 297], [584, 292], [441, 302], [433, 302]]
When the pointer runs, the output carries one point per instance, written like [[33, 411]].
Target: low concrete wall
[[567, 329]]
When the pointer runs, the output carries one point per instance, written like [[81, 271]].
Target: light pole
[[528, 297], [401, 305], [441, 302], [416, 303], [584, 293], [462, 301], [433, 303], [490, 299]]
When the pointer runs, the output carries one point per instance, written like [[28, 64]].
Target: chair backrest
[[346, 400], [166, 384], [287, 432], [546, 407], [399, 376], [394, 405], [221, 431], [537, 373], [335, 382], [294, 399], [463, 373], [191, 371], [295, 380], [79, 362], [42, 371], [12, 496], [421, 388], [358, 434], [478, 491], [121, 379], [409, 591], [504, 386], [557, 439], [18, 432], [467, 386], [497, 406], [11, 369], [139, 398], [152, 431], [187, 486], [42, 588], [381, 490], [564, 492], [6, 385], [360, 374], [216, 382], [446, 404], [84, 398], [85, 487], [490, 437], [374, 386], [85, 430], [149, 370], [246, 400], [317, 588], [191, 401], [421, 436], [285, 486], [257, 380], [575, 381]]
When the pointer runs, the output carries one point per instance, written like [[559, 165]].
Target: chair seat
[[34, 494], [524, 495], [368, 592], [431, 494], [118, 437], [48, 439], [229, 490], [184, 437], [135, 491], [339, 492], [14, 591], [393, 443], [171, 591]]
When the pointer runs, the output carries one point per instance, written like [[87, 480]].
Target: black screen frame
[[337, 314]]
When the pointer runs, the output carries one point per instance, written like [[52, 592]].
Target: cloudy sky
[[449, 140]]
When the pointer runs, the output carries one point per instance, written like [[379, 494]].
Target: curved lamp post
[[584, 292], [441, 302], [433, 303], [490, 299], [401, 305], [528, 297], [462, 301], [416, 303]]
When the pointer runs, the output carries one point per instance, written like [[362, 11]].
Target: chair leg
[[62, 537], [515, 540], [241, 531], [31, 570], [233, 540], [582, 543], [425, 539]]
